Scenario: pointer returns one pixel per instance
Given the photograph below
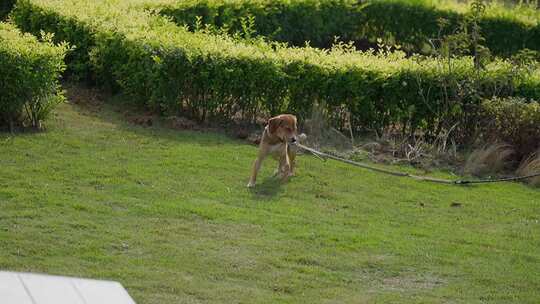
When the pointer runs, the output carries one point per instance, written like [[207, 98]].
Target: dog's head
[[284, 127]]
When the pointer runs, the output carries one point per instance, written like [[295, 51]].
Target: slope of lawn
[[168, 215]]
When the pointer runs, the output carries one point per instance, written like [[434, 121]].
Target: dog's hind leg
[[284, 166]]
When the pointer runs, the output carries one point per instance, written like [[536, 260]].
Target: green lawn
[[168, 215]]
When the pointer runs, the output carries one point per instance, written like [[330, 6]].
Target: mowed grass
[[168, 215]]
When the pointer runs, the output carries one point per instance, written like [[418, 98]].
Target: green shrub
[[29, 74], [514, 121], [5, 7], [167, 68]]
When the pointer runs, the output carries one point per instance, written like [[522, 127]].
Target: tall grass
[[530, 166]]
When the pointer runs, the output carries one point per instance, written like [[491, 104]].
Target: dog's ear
[[273, 124]]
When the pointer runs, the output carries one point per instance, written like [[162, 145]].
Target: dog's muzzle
[[300, 137]]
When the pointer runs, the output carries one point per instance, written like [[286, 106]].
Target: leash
[[324, 156]]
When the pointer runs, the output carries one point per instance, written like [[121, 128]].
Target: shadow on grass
[[118, 109], [268, 189]]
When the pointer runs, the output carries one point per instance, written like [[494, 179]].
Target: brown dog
[[277, 136]]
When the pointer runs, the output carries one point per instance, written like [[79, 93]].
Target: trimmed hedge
[[294, 22], [29, 74], [165, 67], [409, 24], [79, 35]]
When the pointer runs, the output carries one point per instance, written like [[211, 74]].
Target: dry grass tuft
[[531, 165], [490, 159], [323, 136]]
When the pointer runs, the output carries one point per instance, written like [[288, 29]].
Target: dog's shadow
[[268, 188]]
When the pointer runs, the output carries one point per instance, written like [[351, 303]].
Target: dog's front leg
[[257, 166], [291, 152]]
